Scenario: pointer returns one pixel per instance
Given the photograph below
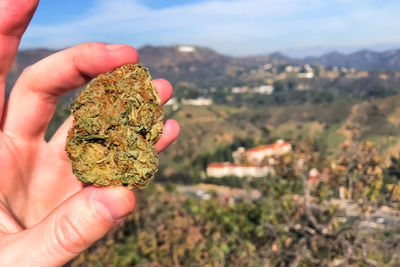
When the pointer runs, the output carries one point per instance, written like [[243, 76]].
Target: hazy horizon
[[295, 53]]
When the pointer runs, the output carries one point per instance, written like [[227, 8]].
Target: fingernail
[[114, 46], [115, 203]]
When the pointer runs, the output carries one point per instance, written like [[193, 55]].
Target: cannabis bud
[[117, 123]]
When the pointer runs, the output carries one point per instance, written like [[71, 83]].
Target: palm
[[38, 175], [46, 215]]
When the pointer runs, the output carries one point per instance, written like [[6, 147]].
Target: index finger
[[15, 16]]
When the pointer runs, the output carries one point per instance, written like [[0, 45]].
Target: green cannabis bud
[[117, 123]]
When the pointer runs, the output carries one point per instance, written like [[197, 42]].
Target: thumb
[[71, 228]]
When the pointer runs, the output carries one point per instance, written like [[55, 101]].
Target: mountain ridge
[[205, 67], [362, 60]]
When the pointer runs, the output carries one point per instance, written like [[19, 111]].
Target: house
[[258, 154], [240, 90], [264, 89], [201, 101], [306, 73], [223, 169]]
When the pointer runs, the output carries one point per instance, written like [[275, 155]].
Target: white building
[[258, 154], [236, 90], [264, 89], [198, 101], [186, 49], [305, 75], [222, 169]]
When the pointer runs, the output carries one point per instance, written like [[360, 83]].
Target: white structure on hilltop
[[222, 169], [186, 49], [258, 154]]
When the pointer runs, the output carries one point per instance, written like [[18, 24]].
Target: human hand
[[47, 216]]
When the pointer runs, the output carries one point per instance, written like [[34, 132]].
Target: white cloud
[[235, 27]]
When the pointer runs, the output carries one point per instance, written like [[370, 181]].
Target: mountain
[[204, 68], [278, 56], [23, 59], [201, 66], [196, 65], [362, 60]]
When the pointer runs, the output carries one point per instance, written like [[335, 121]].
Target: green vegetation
[[293, 223]]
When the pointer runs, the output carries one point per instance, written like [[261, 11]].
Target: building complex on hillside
[[259, 154], [255, 162], [223, 169]]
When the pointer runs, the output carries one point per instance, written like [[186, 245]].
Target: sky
[[232, 27]]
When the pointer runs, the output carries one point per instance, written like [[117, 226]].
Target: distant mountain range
[[362, 60], [205, 67]]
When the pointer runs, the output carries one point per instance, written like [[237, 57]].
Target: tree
[[279, 86]]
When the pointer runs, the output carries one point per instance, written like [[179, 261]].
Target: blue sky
[[234, 27]]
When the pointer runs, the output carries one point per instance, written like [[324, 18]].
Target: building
[[306, 73], [258, 154], [357, 75], [198, 102], [239, 156], [255, 162], [264, 89], [240, 90], [223, 169]]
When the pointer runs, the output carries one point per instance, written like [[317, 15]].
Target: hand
[[47, 216]]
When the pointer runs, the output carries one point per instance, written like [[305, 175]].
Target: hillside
[[23, 59], [205, 129], [192, 66], [362, 60], [293, 115], [200, 66]]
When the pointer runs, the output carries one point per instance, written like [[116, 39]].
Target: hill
[[196, 65], [206, 68], [195, 71], [201, 66], [23, 59], [208, 128], [361, 60]]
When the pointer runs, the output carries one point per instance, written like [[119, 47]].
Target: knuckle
[[91, 45], [69, 236], [26, 69]]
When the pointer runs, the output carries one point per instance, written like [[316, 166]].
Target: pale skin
[[47, 217]]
